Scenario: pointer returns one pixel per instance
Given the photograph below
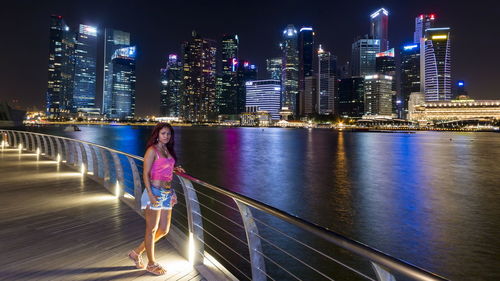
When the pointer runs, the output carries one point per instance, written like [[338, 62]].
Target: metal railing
[[246, 239]]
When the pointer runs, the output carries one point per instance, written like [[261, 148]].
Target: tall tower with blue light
[[379, 27], [84, 91], [123, 84], [410, 75], [227, 84], [290, 70], [423, 22], [437, 64], [306, 58], [170, 94]]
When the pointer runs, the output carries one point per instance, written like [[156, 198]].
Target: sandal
[[137, 260], [156, 269]]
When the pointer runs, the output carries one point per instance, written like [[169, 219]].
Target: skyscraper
[[123, 84], [264, 94], [274, 68], [246, 72], [227, 86], [437, 66], [170, 94], [351, 97], [327, 66], [199, 79], [378, 95], [363, 59], [306, 56], [59, 96], [410, 74], [379, 26], [84, 90], [422, 22], [385, 63], [290, 70], [113, 40]]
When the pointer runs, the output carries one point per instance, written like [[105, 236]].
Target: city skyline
[[259, 39]]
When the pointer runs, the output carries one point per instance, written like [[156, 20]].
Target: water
[[429, 198]]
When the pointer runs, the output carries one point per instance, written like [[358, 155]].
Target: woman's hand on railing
[[179, 169]]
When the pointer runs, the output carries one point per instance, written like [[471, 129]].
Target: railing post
[[45, 145], [105, 161], [95, 162], [66, 151], [137, 184], [85, 160], [195, 223], [382, 274], [118, 172], [53, 153], [32, 138], [78, 153], [254, 244], [38, 144]]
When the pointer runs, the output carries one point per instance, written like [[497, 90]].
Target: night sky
[[159, 27]]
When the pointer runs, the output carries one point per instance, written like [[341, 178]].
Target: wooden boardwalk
[[57, 225]]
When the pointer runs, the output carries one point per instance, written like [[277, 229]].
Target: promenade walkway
[[56, 224]]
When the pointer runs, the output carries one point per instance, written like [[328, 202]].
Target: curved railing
[[242, 237]]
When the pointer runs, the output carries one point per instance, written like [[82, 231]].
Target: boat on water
[[72, 128]]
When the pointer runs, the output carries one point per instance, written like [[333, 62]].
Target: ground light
[[191, 250], [20, 147], [58, 159], [117, 189], [82, 169]]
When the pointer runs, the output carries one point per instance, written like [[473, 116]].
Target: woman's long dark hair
[[153, 139]]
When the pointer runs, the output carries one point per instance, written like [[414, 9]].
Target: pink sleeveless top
[[162, 168]]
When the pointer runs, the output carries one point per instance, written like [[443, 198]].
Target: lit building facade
[[245, 72], [113, 40], [265, 95], [273, 67], [59, 96], [351, 97], [84, 90], [385, 63], [199, 79], [290, 70], [306, 58], [422, 22], [378, 98], [437, 64], [379, 28], [170, 93], [457, 110], [227, 82], [123, 84], [363, 57], [410, 75], [327, 66]]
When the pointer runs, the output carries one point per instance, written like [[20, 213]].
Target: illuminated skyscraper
[[123, 84], [363, 59], [290, 70], [199, 79], [227, 86], [437, 66], [423, 22], [171, 80], [327, 65], [246, 72], [84, 90], [378, 95], [306, 57], [410, 74], [113, 40], [59, 96], [379, 26], [265, 95], [385, 63], [274, 68], [351, 97]]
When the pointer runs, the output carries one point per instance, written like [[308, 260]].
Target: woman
[[158, 197]]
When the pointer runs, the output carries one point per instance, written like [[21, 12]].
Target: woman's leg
[[152, 220], [163, 228]]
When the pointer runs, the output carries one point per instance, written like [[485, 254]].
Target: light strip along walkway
[[56, 224]]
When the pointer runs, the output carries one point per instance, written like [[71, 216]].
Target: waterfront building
[[351, 97], [246, 72], [437, 64], [327, 67], [265, 95], [59, 96], [290, 70], [123, 84], [227, 84], [306, 57], [460, 109], [274, 68], [415, 100], [255, 117], [113, 40], [379, 28], [84, 89], [311, 90], [422, 22], [170, 83], [199, 79], [363, 56], [378, 99], [410, 75]]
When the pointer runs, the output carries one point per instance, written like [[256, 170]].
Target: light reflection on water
[[430, 198]]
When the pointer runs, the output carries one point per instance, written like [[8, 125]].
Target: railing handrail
[[340, 240]]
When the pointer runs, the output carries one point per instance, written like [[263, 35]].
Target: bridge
[[70, 210]]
